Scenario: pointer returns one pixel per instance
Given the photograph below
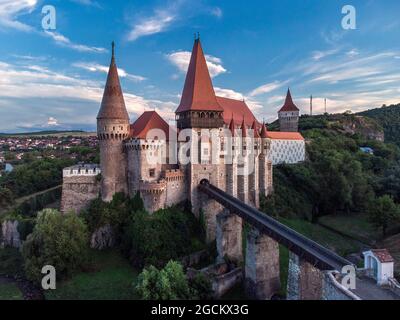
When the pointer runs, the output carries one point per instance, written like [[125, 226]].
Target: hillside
[[338, 178], [389, 118]]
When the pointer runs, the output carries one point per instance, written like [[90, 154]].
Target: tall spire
[[244, 130], [113, 104], [264, 131], [254, 128], [232, 127], [198, 92], [289, 104]]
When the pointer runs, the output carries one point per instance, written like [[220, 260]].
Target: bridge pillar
[[305, 282], [229, 237], [262, 272], [293, 281]]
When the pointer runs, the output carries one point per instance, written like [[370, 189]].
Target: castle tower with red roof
[[112, 129], [289, 115]]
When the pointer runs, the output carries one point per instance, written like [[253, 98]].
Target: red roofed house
[[380, 265]]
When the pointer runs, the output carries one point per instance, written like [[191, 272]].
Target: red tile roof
[[113, 104], [147, 121], [289, 104], [277, 135], [236, 109], [198, 92], [383, 255]]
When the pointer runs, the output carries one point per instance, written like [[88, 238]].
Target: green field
[[112, 278], [9, 291], [355, 226], [331, 240]]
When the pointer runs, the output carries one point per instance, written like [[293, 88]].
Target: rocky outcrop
[[103, 238], [10, 236], [363, 126]]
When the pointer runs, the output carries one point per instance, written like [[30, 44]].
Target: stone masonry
[[262, 270], [229, 237]]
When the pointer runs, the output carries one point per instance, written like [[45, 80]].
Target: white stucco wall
[[287, 151]]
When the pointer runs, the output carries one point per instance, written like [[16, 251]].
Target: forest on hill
[[339, 177], [389, 118]]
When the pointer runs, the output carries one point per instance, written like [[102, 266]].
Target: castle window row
[[117, 136]]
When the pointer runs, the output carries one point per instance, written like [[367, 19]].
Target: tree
[[57, 240], [6, 197], [382, 212], [169, 283]]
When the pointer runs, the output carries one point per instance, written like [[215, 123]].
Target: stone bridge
[[310, 265]]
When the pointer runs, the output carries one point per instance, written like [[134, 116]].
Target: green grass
[[112, 279], [355, 226], [331, 240], [10, 291]]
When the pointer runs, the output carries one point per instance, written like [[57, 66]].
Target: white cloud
[[157, 23], [228, 93], [318, 55], [64, 41], [90, 3], [32, 94], [52, 122], [216, 12], [266, 88], [94, 67], [352, 53], [10, 10], [181, 60]]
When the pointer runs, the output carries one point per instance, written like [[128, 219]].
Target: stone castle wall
[[78, 191], [289, 121]]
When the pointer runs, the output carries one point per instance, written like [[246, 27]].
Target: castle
[[215, 138]]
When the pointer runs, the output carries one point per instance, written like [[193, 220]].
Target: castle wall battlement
[[82, 170]]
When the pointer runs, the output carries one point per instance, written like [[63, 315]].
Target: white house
[[380, 264]]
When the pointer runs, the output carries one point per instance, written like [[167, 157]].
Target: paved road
[[368, 290]]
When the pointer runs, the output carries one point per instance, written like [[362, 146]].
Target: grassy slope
[[356, 226], [112, 280]]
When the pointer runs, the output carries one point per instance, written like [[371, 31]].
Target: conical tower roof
[[232, 127], [289, 104], [264, 131], [113, 104], [244, 130], [255, 130], [198, 92]]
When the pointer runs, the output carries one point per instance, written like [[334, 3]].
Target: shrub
[[169, 283], [57, 240], [166, 234]]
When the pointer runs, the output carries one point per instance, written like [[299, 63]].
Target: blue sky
[[255, 50]]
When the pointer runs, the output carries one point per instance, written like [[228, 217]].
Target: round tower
[[112, 130]]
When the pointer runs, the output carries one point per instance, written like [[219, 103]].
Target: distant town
[[15, 149]]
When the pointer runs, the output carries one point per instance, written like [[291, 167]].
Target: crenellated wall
[[80, 186]]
